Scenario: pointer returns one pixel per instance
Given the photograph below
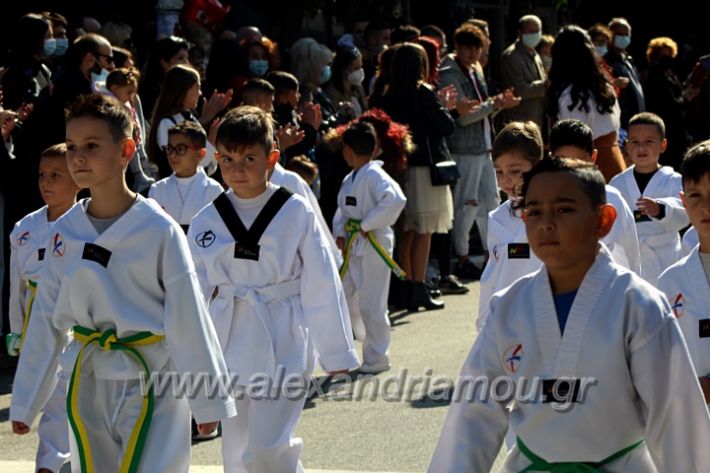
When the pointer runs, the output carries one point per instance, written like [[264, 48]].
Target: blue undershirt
[[563, 304]]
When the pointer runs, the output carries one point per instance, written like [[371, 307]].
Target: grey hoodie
[[468, 137]]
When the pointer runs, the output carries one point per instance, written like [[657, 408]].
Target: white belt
[[260, 342]]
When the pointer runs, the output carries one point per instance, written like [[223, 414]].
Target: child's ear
[[203, 151], [607, 216], [272, 158], [682, 198], [129, 149], [664, 145], [595, 154]]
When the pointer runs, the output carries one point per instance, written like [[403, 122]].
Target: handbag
[[443, 173]]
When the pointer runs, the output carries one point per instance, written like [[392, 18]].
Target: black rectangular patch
[[561, 394], [40, 254], [97, 254], [641, 217], [246, 251], [185, 228], [704, 328], [518, 251], [350, 200]]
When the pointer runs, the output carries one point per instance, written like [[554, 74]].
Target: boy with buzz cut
[[574, 139], [369, 203], [188, 189], [118, 274], [602, 374], [652, 192], [687, 282], [28, 249], [278, 295]]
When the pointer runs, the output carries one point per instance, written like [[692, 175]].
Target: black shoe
[[451, 285], [400, 293], [468, 271], [420, 297], [433, 290]]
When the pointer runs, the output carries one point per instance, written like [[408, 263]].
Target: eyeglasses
[[108, 57], [179, 150]]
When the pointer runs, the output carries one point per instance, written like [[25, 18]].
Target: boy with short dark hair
[[118, 273], [595, 363], [258, 93], [369, 203], [188, 189], [652, 191], [574, 139], [516, 149], [278, 299], [28, 244], [687, 282]]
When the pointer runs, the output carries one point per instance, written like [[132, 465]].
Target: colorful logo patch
[[57, 245], [512, 357], [678, 306], [205, 239], [23, 239]]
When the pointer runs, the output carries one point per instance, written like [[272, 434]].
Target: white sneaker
[[374, 368]]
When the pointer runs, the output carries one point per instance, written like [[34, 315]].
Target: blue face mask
[[622, 41], [258, 67], [325, 75], [531, 40], [62, 46], [601, 50], [49, 46]]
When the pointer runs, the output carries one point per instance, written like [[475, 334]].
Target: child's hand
[[648, 206], [340, 243], [312, 115], [364, 234], [216, 103], [20, 428], [288, 135], [207, 427]]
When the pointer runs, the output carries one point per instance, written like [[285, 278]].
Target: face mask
[[98, 81], [62, 46], [49, 46], [546, 62], [258, 67], [622, 41], [601, 50], [356, 77], [531, 40], [325, 75]]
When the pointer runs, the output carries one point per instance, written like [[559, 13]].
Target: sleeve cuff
[[216, 411], [22, 414], [346, 360]]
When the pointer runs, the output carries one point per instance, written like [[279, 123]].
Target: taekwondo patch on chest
[[246, 251], [513, 357], [518, 251], [350, 200], [704, 328], [23, 238], [97, 254], [641, 217], [205, 239], [560, 390], [57, 245], [678, 306]]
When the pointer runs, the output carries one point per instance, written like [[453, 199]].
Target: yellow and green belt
[[108, 341], [353, 229], [540, 464], [32, 286]]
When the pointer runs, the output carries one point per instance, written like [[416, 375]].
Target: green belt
[[108, 341], [353, 228], [539, 464]]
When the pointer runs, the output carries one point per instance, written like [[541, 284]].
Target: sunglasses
[[109, 58], [179, 150]]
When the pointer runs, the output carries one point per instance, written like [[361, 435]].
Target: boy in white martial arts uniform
[[603, 377], [369, 202], [278, 295], [687, 282], [652, 191], [574, 139], [118, 273], [188, 189], [689, 241], [28, 242], [516, 149]]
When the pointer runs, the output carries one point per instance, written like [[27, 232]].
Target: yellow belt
[[108, 341], [353, 228], [28, 310]]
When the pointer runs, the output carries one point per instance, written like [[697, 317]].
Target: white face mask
[[98, 81], [531, 40], [356, 77]]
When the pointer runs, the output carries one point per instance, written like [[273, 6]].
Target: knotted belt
[[353, 228]]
